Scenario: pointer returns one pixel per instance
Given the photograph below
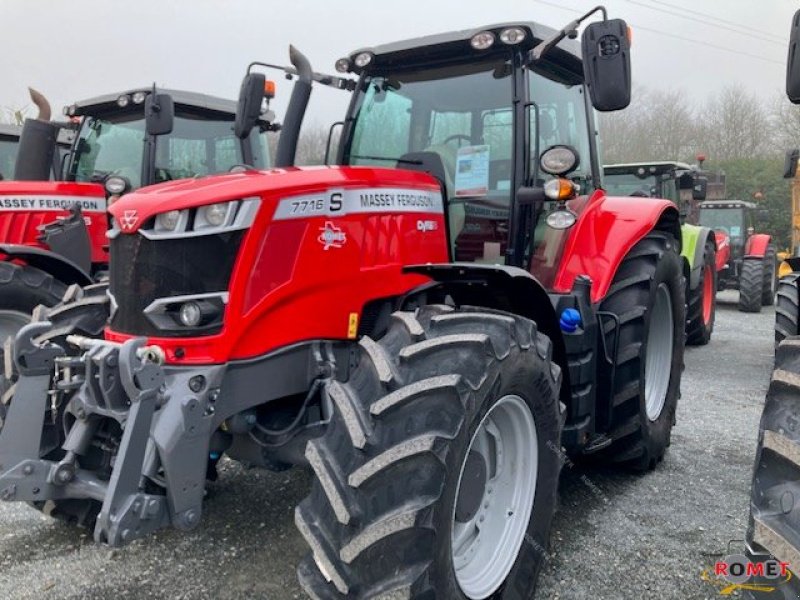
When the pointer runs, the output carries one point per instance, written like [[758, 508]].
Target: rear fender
[[56, 265], [503, 288], [604, 234], [693, 249], [756, 245], [723, 249]]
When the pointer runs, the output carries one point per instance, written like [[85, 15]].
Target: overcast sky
[[81, 48]]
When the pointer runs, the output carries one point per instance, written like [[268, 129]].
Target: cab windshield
[[630, 184], [196, 147], [8, 157], [729, 220]]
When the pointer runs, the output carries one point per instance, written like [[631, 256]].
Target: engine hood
[[275, 183]]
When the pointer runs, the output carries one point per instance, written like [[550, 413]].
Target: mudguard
[[694, 238], [605, 232], [723, 249], [756, 245], [504, 288], [56, 265]]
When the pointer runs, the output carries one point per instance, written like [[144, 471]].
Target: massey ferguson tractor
[[9, 144], [674, 181], [774, 526], [425, 325], [122, 142], [752, 263]]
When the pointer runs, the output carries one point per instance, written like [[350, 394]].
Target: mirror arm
[[545, 46], [333, 81]]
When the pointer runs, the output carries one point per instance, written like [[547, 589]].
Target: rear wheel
[[23, 288], [702, 302], [770, 282], [437, 476], [787, 308], [751, 285], [647, 295]]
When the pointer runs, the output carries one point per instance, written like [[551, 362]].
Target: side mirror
[[790, 163], [793, 61], [607, 64], [699, 188], [159, 114], [248, 109]]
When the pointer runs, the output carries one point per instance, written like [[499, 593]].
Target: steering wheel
[[457, 136]]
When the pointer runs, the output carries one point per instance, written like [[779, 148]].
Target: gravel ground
[[616, 535]]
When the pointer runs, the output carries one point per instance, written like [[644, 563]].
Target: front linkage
[[145, 480]]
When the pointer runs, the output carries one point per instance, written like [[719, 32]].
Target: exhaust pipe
[[37, 144], [290, 133]]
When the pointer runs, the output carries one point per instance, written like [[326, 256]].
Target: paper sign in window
[[472, 171]]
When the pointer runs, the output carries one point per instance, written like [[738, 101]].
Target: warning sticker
[[20, 202], [472, 171]]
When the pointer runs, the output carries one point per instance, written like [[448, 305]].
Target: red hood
[[188, 193]]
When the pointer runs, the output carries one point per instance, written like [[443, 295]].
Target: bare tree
[[735, 124]]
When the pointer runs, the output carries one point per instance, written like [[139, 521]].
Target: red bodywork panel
[[723, 249], [606, 230], [26, 206], [304, 276], [756, 244]]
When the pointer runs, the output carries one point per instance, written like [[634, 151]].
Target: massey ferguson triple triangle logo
[[128, 220], [331, 236]]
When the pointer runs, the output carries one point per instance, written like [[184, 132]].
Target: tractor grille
[[143, 270]]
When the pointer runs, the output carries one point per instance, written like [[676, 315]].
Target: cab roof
[[455, 46], [655, 167], [182, 99], [727, 204], [10, 131]]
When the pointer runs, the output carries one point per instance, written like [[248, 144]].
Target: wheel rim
[[494, 497], [11, 321], [658, 360], [708, 294]]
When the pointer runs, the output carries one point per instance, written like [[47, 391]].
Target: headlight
[[343, 65], [116, 185], [123, 101], [214, 214], [512, 35], [168, 221], [139, 97], [561, 219], [190, 314], [482, 40], [363, 59], [559, 160]]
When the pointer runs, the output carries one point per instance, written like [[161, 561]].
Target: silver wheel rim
[[658, 360], [11, 321], [484, 547]]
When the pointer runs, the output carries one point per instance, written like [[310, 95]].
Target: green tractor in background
[[685, 186]]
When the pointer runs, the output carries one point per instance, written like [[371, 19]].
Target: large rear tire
[[23, 288], [751, 285], [787, 308], [647, 295], [402, 501], [770, 282], [702, 301], [774, 524]]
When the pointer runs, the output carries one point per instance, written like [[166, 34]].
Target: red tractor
[[751, 265], [425, 325], [121, 142]]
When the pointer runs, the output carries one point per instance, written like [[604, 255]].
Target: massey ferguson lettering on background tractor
[[424, 325], [122, 142], [679, 182]]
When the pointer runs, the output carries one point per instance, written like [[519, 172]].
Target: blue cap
[[570, 320]]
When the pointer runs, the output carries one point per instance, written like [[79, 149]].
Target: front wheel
[[437, 476], [787, 308], [770, 282]]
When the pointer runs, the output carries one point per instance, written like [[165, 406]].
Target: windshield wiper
[[408, 161]]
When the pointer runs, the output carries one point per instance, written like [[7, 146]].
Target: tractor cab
[[734, 218], [195, 138], [9, 144], [662, 179], [476, 109]]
